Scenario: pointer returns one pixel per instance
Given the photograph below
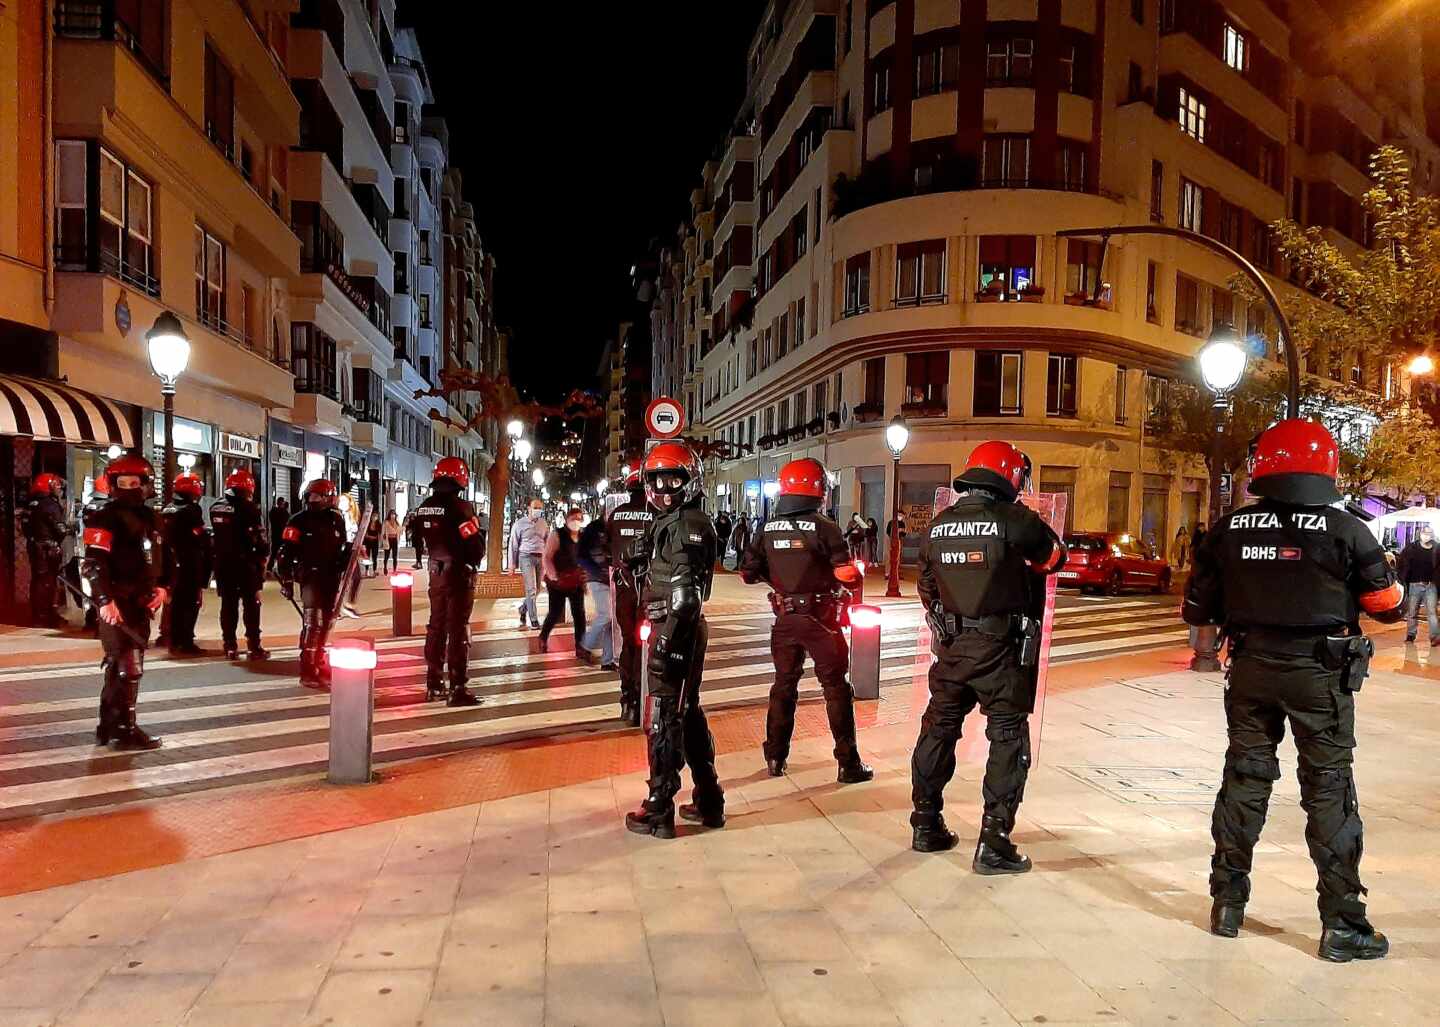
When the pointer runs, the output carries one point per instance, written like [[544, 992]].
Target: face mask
[[573, 525], [536, 513]]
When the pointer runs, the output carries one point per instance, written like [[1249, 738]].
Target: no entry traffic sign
[[664, 418]]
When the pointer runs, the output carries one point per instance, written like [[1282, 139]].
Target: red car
[[1106, 562]]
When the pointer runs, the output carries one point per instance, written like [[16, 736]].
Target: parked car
[[1109, 562]]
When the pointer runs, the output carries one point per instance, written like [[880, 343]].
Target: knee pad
[[129, 665], [1258, 766], [1007, 727], [1325, 781]]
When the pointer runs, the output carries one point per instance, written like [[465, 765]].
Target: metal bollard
[[352, 710], [402, 585], [865, 651], [1206, 642]]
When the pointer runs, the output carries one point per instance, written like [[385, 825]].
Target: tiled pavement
[[808, 908]]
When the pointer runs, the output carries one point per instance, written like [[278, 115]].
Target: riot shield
[[349, 588], [920, 676], [1051, 508]]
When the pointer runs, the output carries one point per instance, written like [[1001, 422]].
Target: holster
[[1029, 643], [944, 626], [1348, 654], [824, 607]]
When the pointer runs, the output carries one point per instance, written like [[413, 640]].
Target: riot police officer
[[45, 529], [979, 562], [241, 549], [314, 552], [452, 534], [802, 554], [188, 560], [679, 563], [624, 535], [1287, 578], [122, 549]]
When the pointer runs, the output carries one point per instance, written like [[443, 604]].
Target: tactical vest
[[977, 567], [235, 523], [797, 552], [679, 544]]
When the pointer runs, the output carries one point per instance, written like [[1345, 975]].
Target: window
[[424, 300], [821, 397], [1157, 401], [1134, 84], [402, 121], [937, 70], [926, 378], [874, 383], [998, 378], [920, 272], [1193, 112], [114, 239], [247, 162], [1152, 293], [1071, 158], [402, 342], [312, 354], [1117, 515], [1257, 327], [209, 279], [425, 246], [402, 276], [1137, 11], [71, 208], [1261, 246], [1230, 225], [1222, 308], [1082, 268], [1157, 191], [1005, 162], [1187, 304], [846, 27], [1009, 62], [800, 408], [1007, 265], [1068, 60], [857, 285], [1061, 384], [799, 232], [1122, 394], [1192, 204], [1234, 48], [818, 209], [782, 336], [247, 315], [799, 321], [219, 103], [752, 362], [880, 88]]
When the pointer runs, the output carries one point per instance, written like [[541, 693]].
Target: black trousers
[[239, 591], [1264, 691], [627, 617], [317, 600], [556, 609], [975, 669], [792, 638], [447, 635], [680, 734], [45, 560], [185, 603], [391, 559], [124, 663]]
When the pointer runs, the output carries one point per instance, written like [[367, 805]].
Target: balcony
[[319, 413], [368, 434], [262, 87]]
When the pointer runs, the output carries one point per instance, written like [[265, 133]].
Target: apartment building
[[877, 235]]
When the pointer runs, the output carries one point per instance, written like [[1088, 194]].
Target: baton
[[87, 601]]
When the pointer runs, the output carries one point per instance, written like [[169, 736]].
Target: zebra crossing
[[226, 724]]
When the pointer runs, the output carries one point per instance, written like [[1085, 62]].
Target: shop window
[[998, 383], [920, 272], [1062, 385], [927, 377], [1007, 266]]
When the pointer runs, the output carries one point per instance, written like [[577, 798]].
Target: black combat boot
[[1226, 919], [257, 652], [434, 687], [129, 736], [655, 816], [691, 812], [462, 696], [929, 831], [995, 853], [854, 771], [1343, 938], [776, 768], [232, 651]]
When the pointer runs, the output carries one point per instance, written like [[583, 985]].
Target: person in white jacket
[[527, 553]]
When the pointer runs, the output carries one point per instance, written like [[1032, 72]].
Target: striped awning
[[49, 411]]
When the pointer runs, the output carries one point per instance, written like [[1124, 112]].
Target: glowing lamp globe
[[521, 449], [1222, 361], [897, 436], [538, 477], [168, 347], [515, 429]]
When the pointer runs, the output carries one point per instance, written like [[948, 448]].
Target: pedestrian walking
[[594, 556], [314, 552], [1287, 578], [564, 580], [43, 525], [679, 562], [978, 565], [1416, 571], [241, 552], [625, 537], [740, 534], [872, 539], [390, 536], [527, 555], [122, 567], [189, 560], [372, 547], [1180, 548], [452, 535], [803, 556]]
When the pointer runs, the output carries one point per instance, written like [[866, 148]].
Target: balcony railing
[[73, 258], [98, 19]]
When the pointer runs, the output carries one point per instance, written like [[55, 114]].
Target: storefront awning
[[49, 411]]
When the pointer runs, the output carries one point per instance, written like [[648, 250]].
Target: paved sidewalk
[[535, 906]]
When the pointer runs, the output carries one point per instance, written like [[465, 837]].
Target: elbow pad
[[1384, 604], [1053, 562], [685, 601], [848, 574], [1196, 615]]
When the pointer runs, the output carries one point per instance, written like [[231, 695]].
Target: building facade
[[878, 235]]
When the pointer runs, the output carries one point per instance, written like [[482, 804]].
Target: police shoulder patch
[[98, 538], [291, 533], [470, 528]]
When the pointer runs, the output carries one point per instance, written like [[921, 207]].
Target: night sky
[[580, 130]]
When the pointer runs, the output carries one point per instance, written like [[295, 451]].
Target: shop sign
[[188, 435], [239, 445], [350, 289], [286, 456]]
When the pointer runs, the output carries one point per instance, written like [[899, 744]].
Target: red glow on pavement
[[352, 654], [865, 616], [403, 579]]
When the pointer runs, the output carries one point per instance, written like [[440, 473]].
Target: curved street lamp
[[169, 350], [897, 437]]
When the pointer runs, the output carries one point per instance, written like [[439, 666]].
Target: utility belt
[[950, 626], [825, 607], [1349, 654], [449, 566]]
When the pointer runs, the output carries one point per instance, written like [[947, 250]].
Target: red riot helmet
[[997, 466], [452, 468], [1296, 461], [101, 485], [806, 477], [322, 492], [47, 484], [672, 475], [633, 482], [188, 485], [241, 480], [130, 466]]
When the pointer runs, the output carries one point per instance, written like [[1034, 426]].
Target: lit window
[[1192, 115], [1234, 48], [1192, 202]]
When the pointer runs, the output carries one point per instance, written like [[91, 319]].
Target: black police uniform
[[624, 538], [797, 552], [452, 534], [123, 564], [680, 564], [189, 560], [241, 551], [44, 527], [1282, 580], [98, 502], [978, 565], [314, 552]]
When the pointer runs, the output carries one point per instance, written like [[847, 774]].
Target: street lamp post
[[169, 350], [897, 437]]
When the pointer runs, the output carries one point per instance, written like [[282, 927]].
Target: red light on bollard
[[348, 654], [402, 579], [401, 584], [352, 710], [864, 617], [644, 631]]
